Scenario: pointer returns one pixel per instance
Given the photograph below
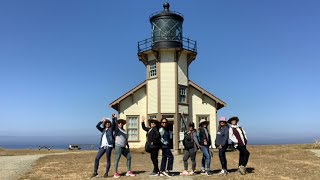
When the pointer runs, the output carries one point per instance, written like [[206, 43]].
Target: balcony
[[148, 44]]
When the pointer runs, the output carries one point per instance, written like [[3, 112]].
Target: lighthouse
[[167, 91]]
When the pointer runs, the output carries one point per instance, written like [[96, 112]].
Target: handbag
[[147, 147]]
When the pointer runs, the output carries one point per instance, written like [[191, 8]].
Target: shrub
[[316, 144]]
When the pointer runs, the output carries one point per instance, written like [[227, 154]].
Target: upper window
[[132, 128], [153, 69], [183, 94]]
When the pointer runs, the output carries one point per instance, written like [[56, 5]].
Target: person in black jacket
[[106, 143], [205, 143], [167, 156], [221, 143], [153, 140]]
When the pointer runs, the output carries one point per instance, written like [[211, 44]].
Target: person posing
[[153, 139], [205, 143], [191, 145], [238, 136], [106, 144], [167, 157], [121, 142], [221, 143]]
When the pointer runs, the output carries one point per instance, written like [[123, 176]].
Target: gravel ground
[[12, 167]]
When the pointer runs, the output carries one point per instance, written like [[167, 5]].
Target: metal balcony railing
[[146, 45]]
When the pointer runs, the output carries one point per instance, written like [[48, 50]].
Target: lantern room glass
[[166, 30]]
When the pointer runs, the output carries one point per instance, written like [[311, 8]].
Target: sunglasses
[[164, 122]]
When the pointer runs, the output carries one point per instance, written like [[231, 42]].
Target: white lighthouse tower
[[167, 91]]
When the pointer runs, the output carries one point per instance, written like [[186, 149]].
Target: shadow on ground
[[249, 170], [135, 172]]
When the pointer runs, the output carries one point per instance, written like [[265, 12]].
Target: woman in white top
[[238, 136]]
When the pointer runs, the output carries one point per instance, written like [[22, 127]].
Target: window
[[132, 128], [182, 94], [153, 69]]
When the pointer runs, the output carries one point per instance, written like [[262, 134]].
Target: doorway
[[170, 119]]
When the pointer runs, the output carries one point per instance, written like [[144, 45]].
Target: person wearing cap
[[106, 144], [121, 147], [167, 157], [191, 145], [205, 143], [153, 139], [238, 136], [221, 143]]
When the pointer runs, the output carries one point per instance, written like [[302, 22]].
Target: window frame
[[185, 88], [129, 128], [152, 69]]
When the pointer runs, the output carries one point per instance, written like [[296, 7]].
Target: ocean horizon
[[91, 142]]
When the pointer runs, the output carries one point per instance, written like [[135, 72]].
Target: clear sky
[[63, 62]]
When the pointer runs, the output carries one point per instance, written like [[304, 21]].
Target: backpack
[[188, 141]]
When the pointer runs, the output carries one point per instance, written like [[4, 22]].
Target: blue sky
[[63, 62]]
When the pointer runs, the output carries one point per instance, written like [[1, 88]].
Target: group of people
[[113, 137], [237, 136], [158, 137]]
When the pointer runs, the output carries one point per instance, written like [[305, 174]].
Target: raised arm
[[114, 122], [143, 124], [98, 126]]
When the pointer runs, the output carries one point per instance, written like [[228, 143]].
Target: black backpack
[[188, 141]]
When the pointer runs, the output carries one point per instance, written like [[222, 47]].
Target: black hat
[[233, 118], [123, 121], [107, 120], [153, 120]]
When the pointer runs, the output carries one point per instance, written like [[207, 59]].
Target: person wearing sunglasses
[[121, 147], [167, 157]]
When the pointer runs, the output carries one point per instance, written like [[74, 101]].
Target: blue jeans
[[206, 158], [222, 156], [166, 156], [101, 151]]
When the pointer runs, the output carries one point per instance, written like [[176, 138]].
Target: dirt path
[[13, 167]]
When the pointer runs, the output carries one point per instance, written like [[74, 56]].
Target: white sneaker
[[223, 172]]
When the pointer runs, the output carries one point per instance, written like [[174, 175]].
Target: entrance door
[[170, 127]]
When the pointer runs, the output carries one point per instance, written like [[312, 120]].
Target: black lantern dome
[[166, 28]]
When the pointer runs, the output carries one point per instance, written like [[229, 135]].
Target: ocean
[[90, 142]]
